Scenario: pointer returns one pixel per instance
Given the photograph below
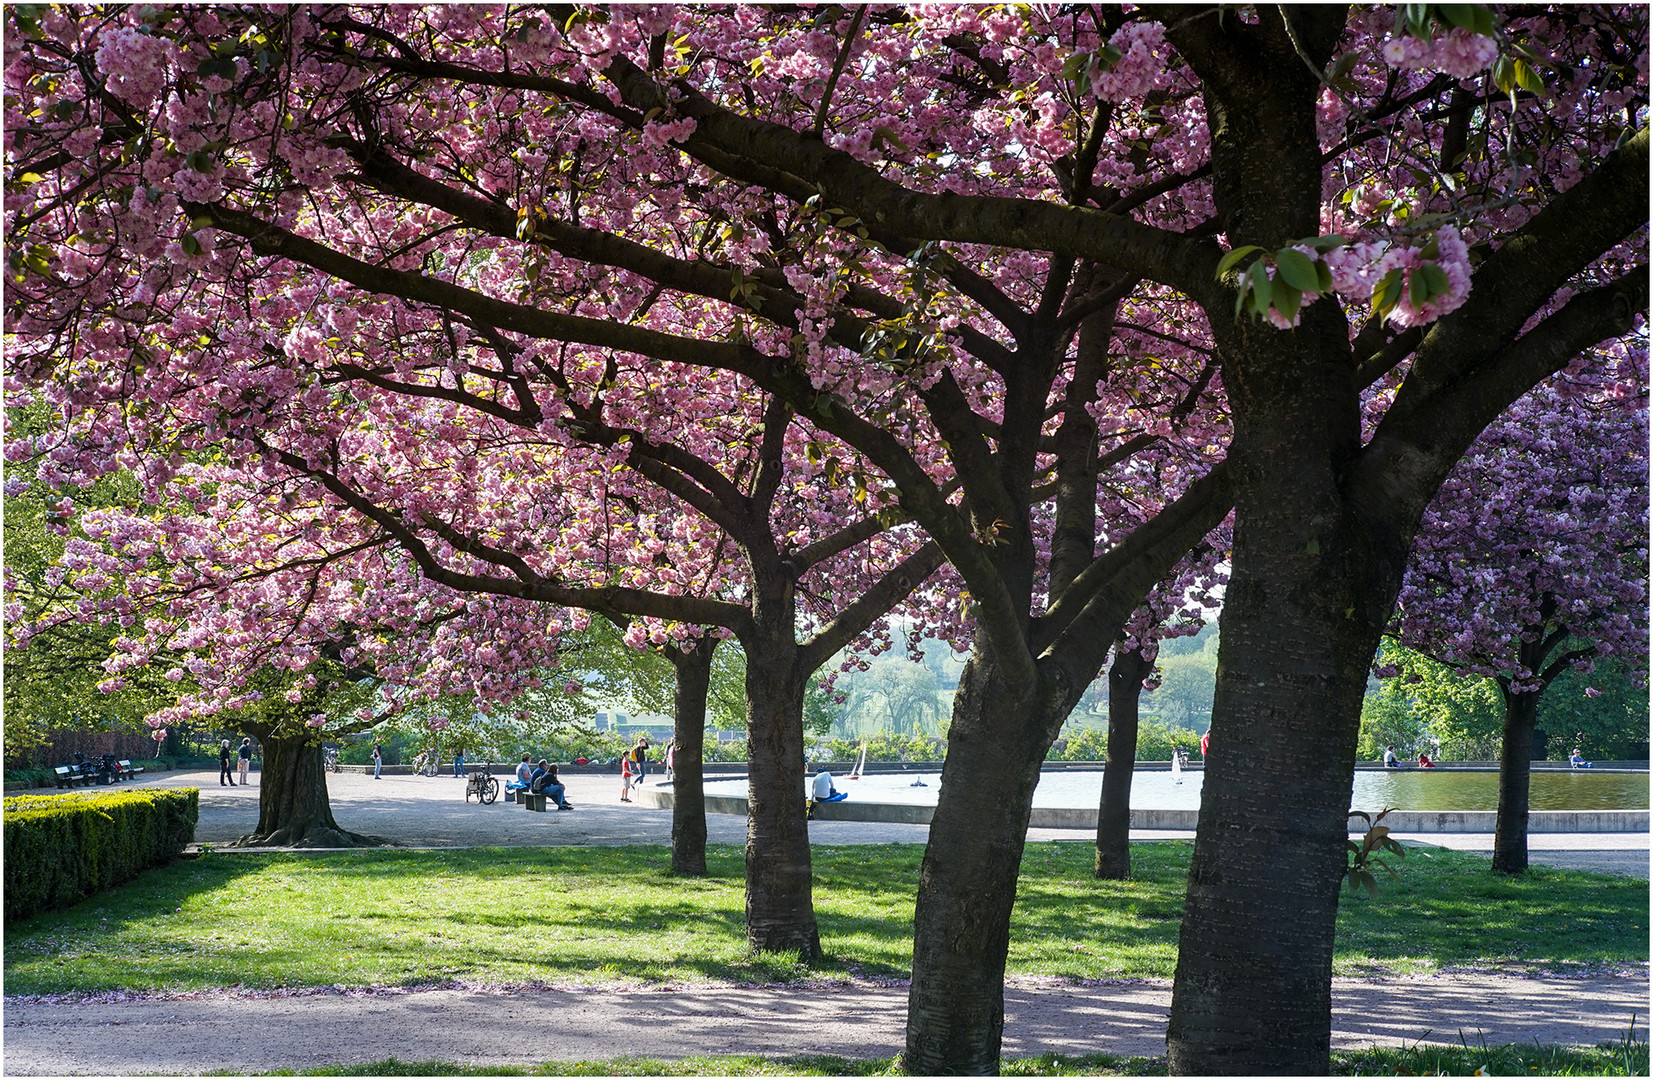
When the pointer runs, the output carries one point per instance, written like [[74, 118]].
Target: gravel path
[[189, 1035]]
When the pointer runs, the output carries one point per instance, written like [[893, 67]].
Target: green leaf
[[1527, 78], [1484, 24], [1327, 242], [1461, 16], [1388, 292], [1256, 282], [1297, 269], [1313, 547], [1227, 262], [1418, 290], [1287, 299], [1435, 278], [1342, 67], [191, 245]]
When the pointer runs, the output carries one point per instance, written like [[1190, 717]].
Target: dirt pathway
[[192, 1035]]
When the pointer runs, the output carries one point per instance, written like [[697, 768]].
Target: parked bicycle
[[483, 784], [330, 758], [424, 764], [104, 770]]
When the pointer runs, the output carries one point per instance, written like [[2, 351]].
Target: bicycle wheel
[[490, 790]]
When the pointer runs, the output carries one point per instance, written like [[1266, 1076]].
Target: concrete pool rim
[[1066, 817]]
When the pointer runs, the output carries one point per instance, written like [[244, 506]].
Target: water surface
[[1409, 789]]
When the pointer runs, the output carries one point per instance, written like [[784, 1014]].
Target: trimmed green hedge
[[61, 849]]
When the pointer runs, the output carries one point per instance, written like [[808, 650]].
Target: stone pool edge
[[1067, 817]]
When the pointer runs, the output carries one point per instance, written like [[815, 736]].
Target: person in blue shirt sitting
[[524, 776], [1576, 760]]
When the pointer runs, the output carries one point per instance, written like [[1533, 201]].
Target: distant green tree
[[52, 678], [1187, 684], [896, 694], [1611, 724], [1389, 718]]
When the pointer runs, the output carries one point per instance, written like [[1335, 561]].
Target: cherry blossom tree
[[1532, 558], [992, 258]]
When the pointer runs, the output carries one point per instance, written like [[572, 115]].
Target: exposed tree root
[[314, 836]]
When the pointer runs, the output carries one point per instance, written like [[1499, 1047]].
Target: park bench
[[532, 800], [128, 770], [67, 776]]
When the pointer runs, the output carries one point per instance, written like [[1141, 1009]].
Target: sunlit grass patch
[[605, 915]]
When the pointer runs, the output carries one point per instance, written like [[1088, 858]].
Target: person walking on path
[[246, 758], [625, 777], [459, 762], [224, 776], [378, 759]]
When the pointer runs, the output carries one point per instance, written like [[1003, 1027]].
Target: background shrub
[[61, 849]]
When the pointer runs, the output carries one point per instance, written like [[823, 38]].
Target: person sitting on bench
[[823, 791], [525, 775], [545, 782]]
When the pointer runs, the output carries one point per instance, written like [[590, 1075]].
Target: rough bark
[[780, 908], [1314, 576], [694, 672], [293, 808], [967, 885], [1509, 841], [1113, 816]]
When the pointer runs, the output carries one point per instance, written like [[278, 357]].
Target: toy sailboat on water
[[855, 773]]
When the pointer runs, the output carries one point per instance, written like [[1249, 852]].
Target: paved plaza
[[420, 811]]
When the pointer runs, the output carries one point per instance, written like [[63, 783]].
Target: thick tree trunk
[[780, 906], [1253, 981], [1509, 842], [1113, 816], [967, 887], [293, 808], [694, 674]]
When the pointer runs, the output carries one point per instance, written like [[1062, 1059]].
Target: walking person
[[640, 756], [459, 762], [378, 759], [224, 776], [671, 761], [625, 776], [246, 758]]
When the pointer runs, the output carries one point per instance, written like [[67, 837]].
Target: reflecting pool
[[1408, 789]]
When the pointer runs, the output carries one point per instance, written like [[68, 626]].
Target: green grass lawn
[[599, 914]]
